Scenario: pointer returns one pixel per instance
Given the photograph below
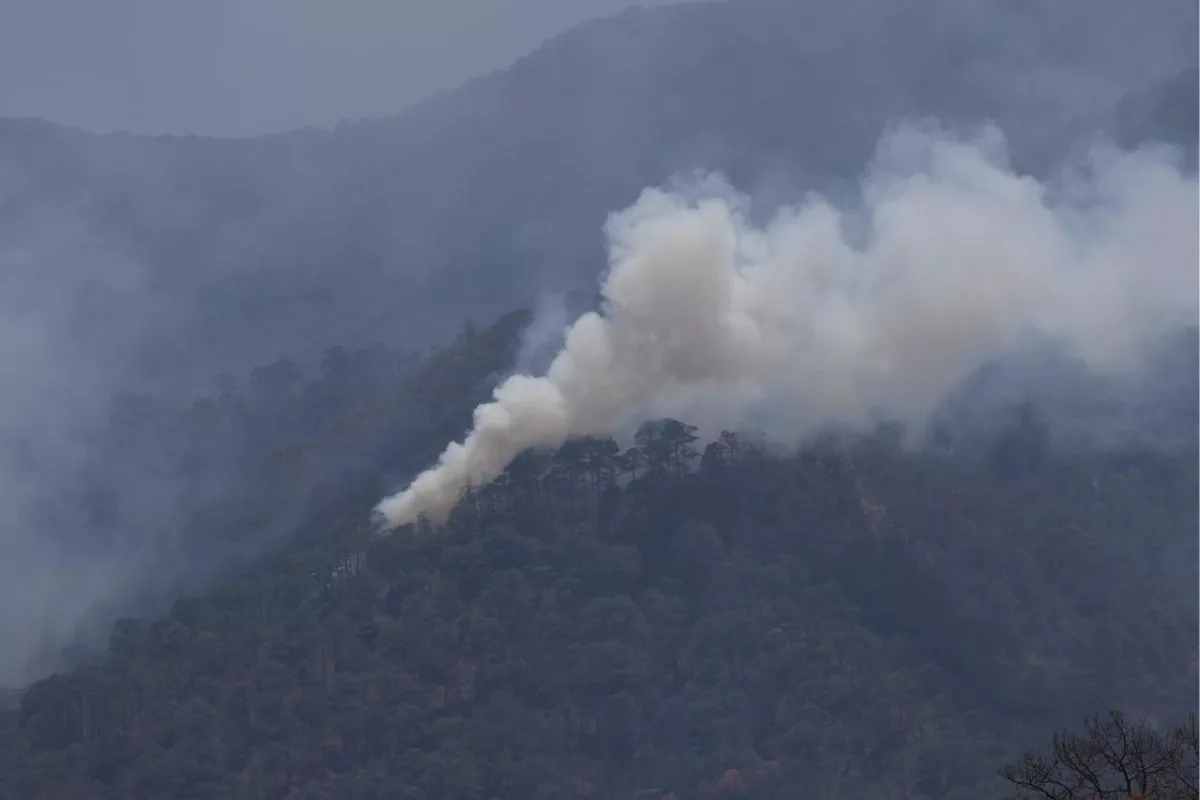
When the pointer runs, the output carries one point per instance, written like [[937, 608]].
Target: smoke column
[[800, 324]]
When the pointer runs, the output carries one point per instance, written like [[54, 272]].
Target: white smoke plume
[[800, 324]]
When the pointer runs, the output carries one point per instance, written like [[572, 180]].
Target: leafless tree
[[1113, 759]]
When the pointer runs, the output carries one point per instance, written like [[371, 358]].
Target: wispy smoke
[[542, 338], [67, 301], [826, 317]]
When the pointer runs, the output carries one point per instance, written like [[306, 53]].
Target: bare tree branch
[[1112, 760]]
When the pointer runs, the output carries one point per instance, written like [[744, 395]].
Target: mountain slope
[[131, 264], [849, 621]]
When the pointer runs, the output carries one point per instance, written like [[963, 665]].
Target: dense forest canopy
[[664, 617]]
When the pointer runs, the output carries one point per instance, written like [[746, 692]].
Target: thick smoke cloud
[[825, 317]]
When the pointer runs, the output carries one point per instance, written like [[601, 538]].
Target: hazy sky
[[236, 67]]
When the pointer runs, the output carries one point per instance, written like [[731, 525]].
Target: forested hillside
[[143, 267], [183, 452], [663, 619]]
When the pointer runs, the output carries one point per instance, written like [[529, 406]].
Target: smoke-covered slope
[[131, 262], [264, 247], [1165, 112], [827, 317]]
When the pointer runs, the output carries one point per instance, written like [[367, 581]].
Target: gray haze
[[154, 264], [243, 67]]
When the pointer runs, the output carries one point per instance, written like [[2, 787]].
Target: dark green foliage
[[851, 621]]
